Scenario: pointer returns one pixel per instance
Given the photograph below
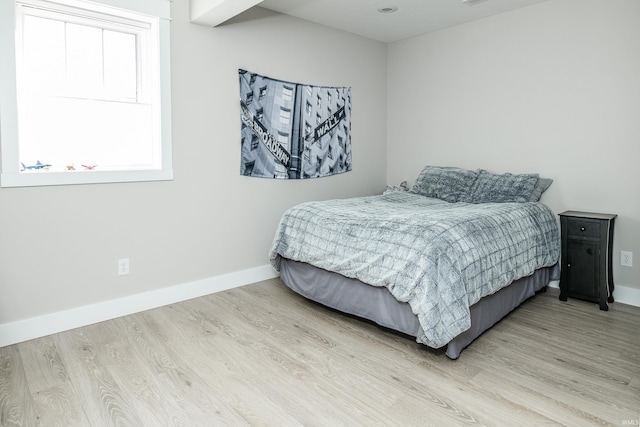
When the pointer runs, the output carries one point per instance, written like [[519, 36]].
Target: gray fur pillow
[[494, 188], [450, 184], [541, 186]]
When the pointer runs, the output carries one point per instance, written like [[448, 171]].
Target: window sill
[[37, 179]]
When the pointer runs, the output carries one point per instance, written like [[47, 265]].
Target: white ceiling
[[412, 18]]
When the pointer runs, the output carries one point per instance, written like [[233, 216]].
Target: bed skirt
[[378, 305]]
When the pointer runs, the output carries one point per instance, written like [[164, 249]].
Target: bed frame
[[378, 305]]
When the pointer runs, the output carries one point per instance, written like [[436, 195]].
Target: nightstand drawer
[[583, 228]]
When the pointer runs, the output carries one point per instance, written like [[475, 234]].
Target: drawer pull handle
[[568, 265], [582, 228]]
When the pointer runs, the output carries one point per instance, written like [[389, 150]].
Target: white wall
[[552, 88], [59, 245]]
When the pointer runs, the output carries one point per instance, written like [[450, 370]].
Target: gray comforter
[[439, 257]]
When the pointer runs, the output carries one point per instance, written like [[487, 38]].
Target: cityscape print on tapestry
[[292, 130]]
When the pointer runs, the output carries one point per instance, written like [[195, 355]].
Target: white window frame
[[10, 175]]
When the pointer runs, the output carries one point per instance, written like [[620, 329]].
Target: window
[[280, 171], [283, 138], [287, 94], [91, 95], [285, 116], [248, 168]]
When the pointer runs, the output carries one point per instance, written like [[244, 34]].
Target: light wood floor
[[261, 355]]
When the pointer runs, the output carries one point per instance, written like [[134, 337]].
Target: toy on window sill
[[89, 168], [37, 166], [71, 167]]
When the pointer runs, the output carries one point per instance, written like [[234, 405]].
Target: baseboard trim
[[621, 294], [36, 327]]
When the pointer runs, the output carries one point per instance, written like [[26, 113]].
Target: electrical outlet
[[626, 258], [123, 266]]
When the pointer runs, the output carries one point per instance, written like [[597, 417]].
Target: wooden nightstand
[[587, 246]]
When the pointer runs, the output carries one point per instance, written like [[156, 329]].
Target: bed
[[442, 262]]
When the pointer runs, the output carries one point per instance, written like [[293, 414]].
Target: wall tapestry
[[292, 130]]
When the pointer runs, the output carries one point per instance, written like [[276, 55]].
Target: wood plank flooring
[[261, 355]]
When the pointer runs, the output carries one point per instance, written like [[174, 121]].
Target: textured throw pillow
[[494, 188], [445, 183], [541, 186]]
